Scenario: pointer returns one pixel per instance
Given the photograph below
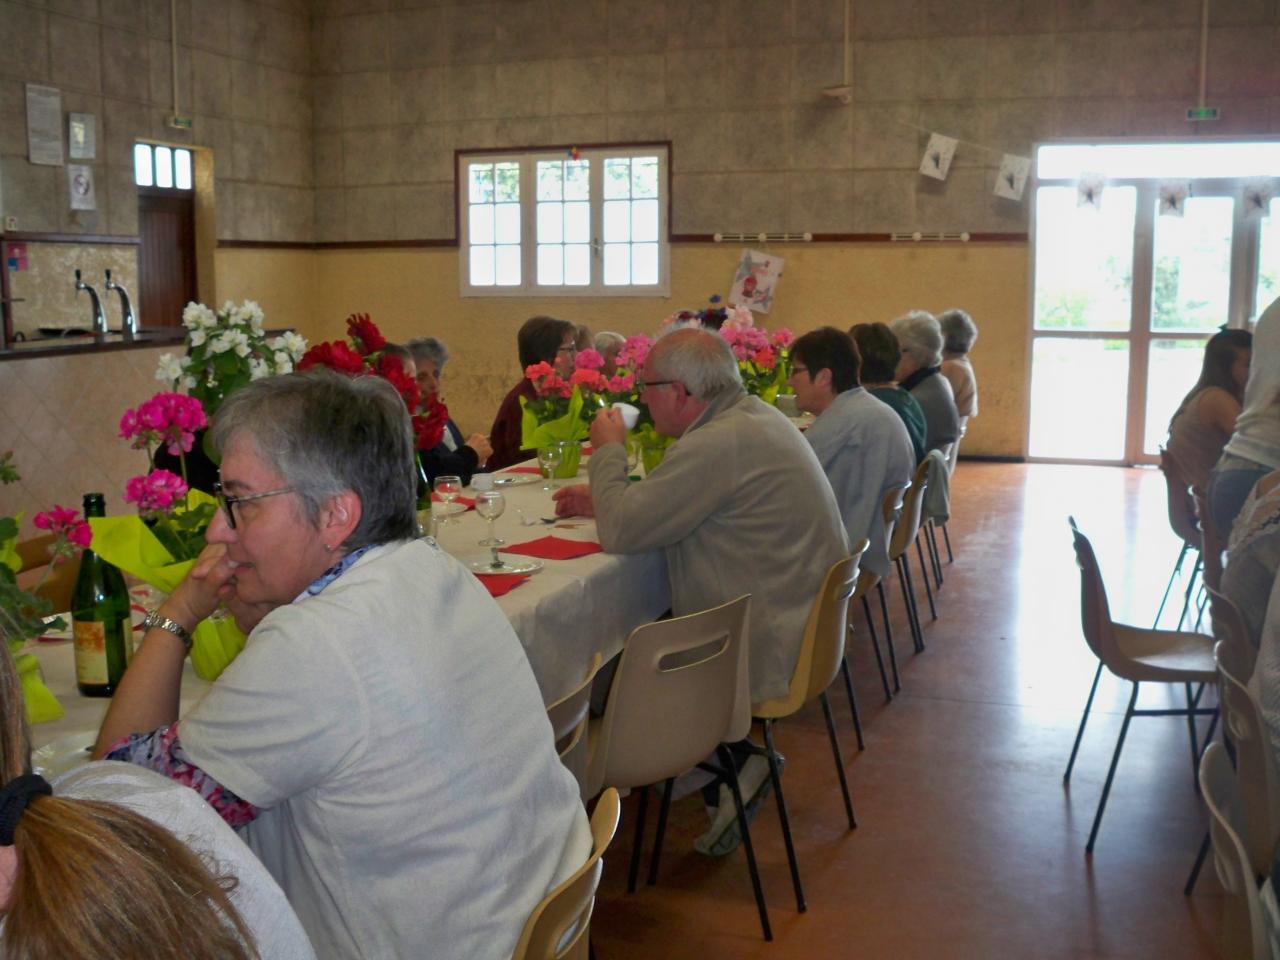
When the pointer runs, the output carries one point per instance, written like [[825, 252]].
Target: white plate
[[515, 479], [511, 563], [63, 754]]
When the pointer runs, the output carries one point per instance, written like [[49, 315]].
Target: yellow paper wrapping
[[42, 705], [571, 426]]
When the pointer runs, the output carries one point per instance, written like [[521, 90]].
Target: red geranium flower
[[391, 369], [365, 334], [429, 425], [336, 356]]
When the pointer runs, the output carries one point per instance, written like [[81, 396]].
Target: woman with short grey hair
[[452, 456], [607, 344], [382, 727], [959, 333], [920, 339]]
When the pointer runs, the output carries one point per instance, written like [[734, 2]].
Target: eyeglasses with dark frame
[[642, 385], [226, 501]]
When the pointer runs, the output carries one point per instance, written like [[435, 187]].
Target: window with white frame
[[563, 222], [155, 165]]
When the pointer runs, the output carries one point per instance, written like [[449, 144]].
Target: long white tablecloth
[[563, 614]]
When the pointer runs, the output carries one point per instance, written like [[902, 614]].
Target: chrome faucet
[[128, 322], [99, 318]]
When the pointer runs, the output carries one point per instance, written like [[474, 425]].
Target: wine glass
[[549, 458], [448, 488], [633, 454], [490, 504]]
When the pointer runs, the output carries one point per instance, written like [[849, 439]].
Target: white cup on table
[[630, 414]]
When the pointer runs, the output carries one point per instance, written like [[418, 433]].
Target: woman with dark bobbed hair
[[920, 339], [1202, 424], [879, 350], [540, 340], [382, 728]]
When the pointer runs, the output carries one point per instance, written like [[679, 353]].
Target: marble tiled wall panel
[[60, 416], [243, 76], [398, 85]]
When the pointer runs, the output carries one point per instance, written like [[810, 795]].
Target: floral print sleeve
[[162, 752]]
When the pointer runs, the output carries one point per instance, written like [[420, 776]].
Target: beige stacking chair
[[559, 927], [905, 532], [1242, 919], [1182, 518], [1139, 655], [680, 693], [568, 717], [821, 654]]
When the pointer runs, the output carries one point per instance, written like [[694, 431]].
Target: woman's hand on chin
[[200, 592]]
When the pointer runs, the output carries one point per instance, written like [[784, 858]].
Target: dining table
[[565, 612]]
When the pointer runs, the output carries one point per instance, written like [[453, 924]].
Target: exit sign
[[185, 123], [1196, 114]]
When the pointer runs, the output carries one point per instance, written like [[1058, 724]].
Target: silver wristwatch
[[154, 619]]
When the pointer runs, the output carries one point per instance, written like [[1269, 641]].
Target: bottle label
[[91, 651]]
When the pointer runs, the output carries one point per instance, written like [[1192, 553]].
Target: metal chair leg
[[853, 701], [875, 645], [662, 831], [1084, 718], [888, 634], [835, 751], [641, 815], [1195, 867], [772, 753], [935, 561], [1191, 728], [1111, 772], [946, 537], [1191, 587], [924, 575], [909, 598], [1169, 586], [726, 760]]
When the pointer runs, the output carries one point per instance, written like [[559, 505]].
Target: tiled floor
[[968, 844]]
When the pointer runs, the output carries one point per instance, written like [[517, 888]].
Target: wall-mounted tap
[[99, 318], [128, 322]]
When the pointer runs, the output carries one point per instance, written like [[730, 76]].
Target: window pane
[[1091, 426], [617, 178], [550, 177], [482, 266], [644, 220], [1269, 260], [1192, 266], [508, 266], [550, 222], [506, 181], [617, 221], [142, 174], [577, 222], [182, 160], [617, 264], [507, 222], [480, 223], [644, 263], [550, 264], [577, 180], [577, 265], [1084, 260], [164, 167], [644, 176], [481, 188], [1172, 370]]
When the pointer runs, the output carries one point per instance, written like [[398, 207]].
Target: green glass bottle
[[100, 618]]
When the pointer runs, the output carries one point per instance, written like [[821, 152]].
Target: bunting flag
[[937, 156], [1089, 190], [1012, 178], [1173, 198], [1257, 199]]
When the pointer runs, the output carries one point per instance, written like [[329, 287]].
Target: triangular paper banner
[[1089, 190], [1257, 199], [1012, 178], [1173, 198], [937, 156]]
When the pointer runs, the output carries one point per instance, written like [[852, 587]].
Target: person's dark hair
[[539, 339], [325, 434], [404, 354], [430, 349], [829, 349], [582, 338], [879, 350], [959, 332], [1219, 355], [97, 880]]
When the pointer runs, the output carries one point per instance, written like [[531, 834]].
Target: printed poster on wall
[[755, 281], [80, 187], [44, 125], [82, 138]]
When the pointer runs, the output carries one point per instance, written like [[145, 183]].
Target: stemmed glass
[[633, 454], [490, 504], [549, 458], [449, 488]]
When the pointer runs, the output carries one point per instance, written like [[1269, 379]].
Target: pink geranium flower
[[155, 492], [622, 382], [782, 339], [167, 418], [588, 360], [588, 380], [69, 530], [634, 351]]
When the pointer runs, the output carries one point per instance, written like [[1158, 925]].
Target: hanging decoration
[[1257, 199], [1173, 197], [1011, 180], [755, 281], [937, 156], [575, 153], [1089, 190]]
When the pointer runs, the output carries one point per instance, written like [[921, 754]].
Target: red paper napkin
[[499, 583], [468, 502], [537, 470], [555, 548]]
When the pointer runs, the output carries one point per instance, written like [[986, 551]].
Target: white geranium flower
[[197, 336], [240, 342], [253, 313], [169, 369], [222, 342], [196, 316], [284, 362], [294, 344], [259, 369], [188, 383]]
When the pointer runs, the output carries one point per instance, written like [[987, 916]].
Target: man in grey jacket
[[739, 504]]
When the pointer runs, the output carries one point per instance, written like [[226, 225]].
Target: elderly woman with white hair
[[452, 455], [607, 344], [918, 372], [959, 333]]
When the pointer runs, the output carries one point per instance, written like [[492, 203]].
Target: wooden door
[[166, 257]]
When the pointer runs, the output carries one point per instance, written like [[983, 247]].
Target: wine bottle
[[100, 618]]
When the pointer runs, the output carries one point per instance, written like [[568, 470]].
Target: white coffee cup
[[630, 414], [481, 482]]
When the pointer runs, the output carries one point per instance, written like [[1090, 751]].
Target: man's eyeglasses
[[642, 385], [797, 368], [226, 502], [567, 349]]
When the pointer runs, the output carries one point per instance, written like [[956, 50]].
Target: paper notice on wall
[[44, 125], [80, 187], [82, 137], [937, 156], [1011, 180], [756, 280]]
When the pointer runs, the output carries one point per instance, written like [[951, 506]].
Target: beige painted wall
[[413, 292]]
